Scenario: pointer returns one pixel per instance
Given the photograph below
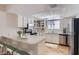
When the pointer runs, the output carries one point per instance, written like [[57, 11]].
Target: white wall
[[2, 21], [70, 10], [5, 25], [65, 23], [12, 20]]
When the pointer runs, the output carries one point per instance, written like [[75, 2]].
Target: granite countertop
[[29, 40]]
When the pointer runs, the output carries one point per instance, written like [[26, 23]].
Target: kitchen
[[44, 32], [40, 36]]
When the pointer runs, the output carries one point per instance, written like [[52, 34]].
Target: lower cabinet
[[52, 38]]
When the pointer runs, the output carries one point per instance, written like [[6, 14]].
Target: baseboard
[[57, 44]]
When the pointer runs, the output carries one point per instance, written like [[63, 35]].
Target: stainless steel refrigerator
[[74, 41]]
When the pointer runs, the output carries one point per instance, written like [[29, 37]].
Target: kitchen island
[[30, 44]]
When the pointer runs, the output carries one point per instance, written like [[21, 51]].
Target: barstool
[[9, 51], [1, 49]]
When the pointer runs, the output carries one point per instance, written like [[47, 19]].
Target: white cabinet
[[52, 38], [25, 21], [22, 21]]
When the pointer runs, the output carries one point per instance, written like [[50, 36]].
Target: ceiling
[[28, 7], [55, 11], [59, 11], [41, 10]]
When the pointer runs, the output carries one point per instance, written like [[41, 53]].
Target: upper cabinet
[[14, 20], [11, 20], [22, 21], [25, 21]]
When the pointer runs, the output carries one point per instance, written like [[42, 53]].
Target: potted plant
[[19, 33], [23, 35]]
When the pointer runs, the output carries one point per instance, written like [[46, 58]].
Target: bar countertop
[[29, 39]]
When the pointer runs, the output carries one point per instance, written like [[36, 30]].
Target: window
[[53, 24]]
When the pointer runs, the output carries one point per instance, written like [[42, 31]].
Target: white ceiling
[[42, 10], [60, 11], [55, 12], [27, 9]]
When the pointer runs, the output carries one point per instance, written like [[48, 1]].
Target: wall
[[2, 21], [6, 21], [70, 10], [12, 23], [12, 20], [65, 23]]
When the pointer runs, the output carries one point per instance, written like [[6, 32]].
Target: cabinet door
[[12, 20], [20, 21], [52, 38], [25, 22]]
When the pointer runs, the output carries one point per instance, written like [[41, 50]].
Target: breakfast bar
[[30, 44]]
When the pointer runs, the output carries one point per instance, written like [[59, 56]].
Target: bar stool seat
[[1, 45], [16, 53]]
